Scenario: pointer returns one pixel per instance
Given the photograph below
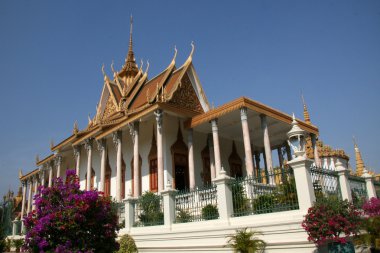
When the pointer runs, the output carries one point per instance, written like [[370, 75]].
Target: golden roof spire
[[359, 161], [306, 115], [130, 68]]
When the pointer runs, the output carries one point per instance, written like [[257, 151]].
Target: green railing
[[325, 183], [358, 190], [251, 196], [149, 210], [377, 188], [196, 205]]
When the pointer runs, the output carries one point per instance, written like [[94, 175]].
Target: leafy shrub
[[244, 241], [371, 222], [183, 216], [68, 219], [17, 243], [2, 236], [210, 212], [127, 244], [151, 213], [331, 218], [239, 199], [264, 203], [372, 207], [286, 194]]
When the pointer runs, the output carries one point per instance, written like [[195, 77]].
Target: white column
[[247, 141], [136, 160], [215, 138], [191, 159], [58, 163], [160, 160], [317, 160], [343, 179], [371, 191], [304, 183], [212, 159], [130, 203], [50, 168], [35, 184], [267, 147], [77, 159], [102, 149], [24, 185], [117, 141], [30, 195], [42, 176], [88, 146]]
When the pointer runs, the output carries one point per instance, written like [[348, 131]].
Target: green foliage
[[264, 203], [286, 194], [151, 213], [239, 199], [2, 236], [127, 245], [210, 212], [8, 244], [245, 241], [183, 216], [17, 243]]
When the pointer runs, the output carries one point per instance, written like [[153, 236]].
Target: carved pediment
[[109, 109], [186, 97]]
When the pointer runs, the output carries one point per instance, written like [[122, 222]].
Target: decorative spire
[[306, 114], [75, 129], [359, 161], [130, 69]]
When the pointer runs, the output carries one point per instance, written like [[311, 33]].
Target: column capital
[[76, 150], [88, 144], [243, 113], [133, 127], [116, 138], [158, 113], [101, 145], [214, 125], [58, 160]]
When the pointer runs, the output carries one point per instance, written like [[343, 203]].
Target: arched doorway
[[180, 162], [235, 163]]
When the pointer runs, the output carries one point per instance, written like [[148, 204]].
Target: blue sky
[[51, 53]]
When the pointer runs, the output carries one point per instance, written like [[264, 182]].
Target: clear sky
[[51, 53]]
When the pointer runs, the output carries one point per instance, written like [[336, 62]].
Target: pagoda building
[[148, 133]]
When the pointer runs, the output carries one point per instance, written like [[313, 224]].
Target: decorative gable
[[185, 96], [109, 109]]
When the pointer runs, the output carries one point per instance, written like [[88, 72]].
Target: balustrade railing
[[196, 205], [251, 196], [325, 182], [358, 190], [377, 188], [149, 210]]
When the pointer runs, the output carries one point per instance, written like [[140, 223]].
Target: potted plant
[[330, 223], [244, 241], [210, 212], [370, 225]]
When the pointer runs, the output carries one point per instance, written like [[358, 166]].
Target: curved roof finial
[[175, 54], [191, 53], [147, 66], [141, 65], [112, 68]]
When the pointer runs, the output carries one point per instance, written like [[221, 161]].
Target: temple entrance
[[153, 166], [180, 162], [181, 172]]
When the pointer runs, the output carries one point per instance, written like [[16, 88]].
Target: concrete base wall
[[281, 231]]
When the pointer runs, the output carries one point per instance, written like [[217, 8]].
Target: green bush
[[151, 213], [264, 204], [127, 244], [2, 236], [210, 212], [244, 241], [183, 216], [17, 243], [286, 194], [239, 199]]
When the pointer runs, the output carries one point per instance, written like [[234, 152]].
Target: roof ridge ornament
[[190, 58], [175, 55], [147, 67], [306, 115]]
